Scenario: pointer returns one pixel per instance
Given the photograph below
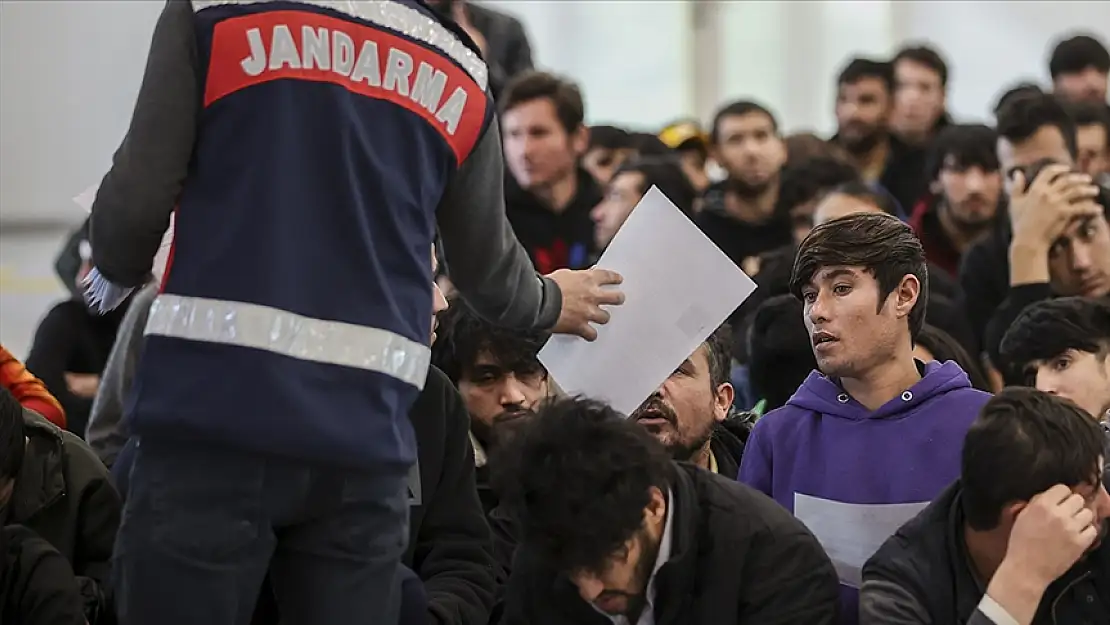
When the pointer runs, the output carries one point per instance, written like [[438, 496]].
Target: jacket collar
[[674, 582], [41, 479], [480, 457]]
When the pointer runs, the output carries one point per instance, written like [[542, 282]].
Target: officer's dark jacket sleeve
[[138, 194], [485, 261]]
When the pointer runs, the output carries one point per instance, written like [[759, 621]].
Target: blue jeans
[[202, 526]]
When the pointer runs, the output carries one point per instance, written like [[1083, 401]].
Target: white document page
[[852, 533], [678, 288], [87, 197]]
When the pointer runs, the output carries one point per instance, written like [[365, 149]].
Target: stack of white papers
[[679, 287]]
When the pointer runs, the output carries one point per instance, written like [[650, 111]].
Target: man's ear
[[906, 295], [580, 140], [722, 401]]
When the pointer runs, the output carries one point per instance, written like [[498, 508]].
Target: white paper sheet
[[678, 288], [87, 197], [852, 533], [161, 257]]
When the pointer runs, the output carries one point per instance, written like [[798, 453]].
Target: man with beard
[[615, 532], [864, 104], [1017, 539], [499, 376], [689, 412], [964, 194], [738, 214], [1080, 69]]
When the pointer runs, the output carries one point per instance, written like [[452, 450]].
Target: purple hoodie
[[844, 470]]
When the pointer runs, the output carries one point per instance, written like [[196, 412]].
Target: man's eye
[[1061, 363], [842, 289], [809, 297]]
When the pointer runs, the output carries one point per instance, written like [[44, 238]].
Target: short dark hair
[[647, 144], [1076, 54], [739, 108], [1015, 91], [880, 243], [802, 146], [462, 336], [1023, 443], [12, 437], [1090, 114], [780, 354], [667, 174], [860, 68], [609, 138], [879, 198], [1023, 115], [718, 351], [1047, 329], [563, 93], [927, 56], [807, 180], [577, 479], [944, 347], [967, 145]]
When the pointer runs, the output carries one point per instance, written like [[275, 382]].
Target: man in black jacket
[[449, 545], [36, 583], [613, 528], [1017, 539], [65, 495]]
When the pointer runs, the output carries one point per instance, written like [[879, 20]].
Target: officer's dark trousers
[[202, 526]]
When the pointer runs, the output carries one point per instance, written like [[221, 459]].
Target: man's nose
[[1081, 256], [589, 587], [511, 392]]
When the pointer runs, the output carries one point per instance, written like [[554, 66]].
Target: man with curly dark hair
[[614, 531]]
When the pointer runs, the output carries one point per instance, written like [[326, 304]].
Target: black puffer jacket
[[36, 582]]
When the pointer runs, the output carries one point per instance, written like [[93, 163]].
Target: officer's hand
[[584, 293]]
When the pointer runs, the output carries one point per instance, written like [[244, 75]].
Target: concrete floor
[[28, 286]]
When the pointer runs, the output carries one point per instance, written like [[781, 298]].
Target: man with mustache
[[499, 375], [1017, 539], [689, 412], [965, 189], [864, 104]]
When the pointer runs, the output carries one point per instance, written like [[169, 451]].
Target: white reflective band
[[398, 17], [289, 334]]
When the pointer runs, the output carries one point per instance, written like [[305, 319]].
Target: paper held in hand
[[88, 196], [678, 288]]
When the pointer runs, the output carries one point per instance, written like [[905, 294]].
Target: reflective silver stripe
[[398, 17], [289, 334]]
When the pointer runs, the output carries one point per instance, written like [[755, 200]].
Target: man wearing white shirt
[[616, 533]]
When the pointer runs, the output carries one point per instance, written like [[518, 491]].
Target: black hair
[[718, 351], [1023, 443], [577, 479], [1077, 54], [667, 174], [966, 146], [862, 191], [1023, 115], [462, 336], [609, 138], [740, 108], [860, 68], [647, 144], [1047, 329], [1089, 114], [880, 243], [563, 93], [944, 347], [12, 438], [780, 354], [807, 180], [1017, 90], [927, 56]]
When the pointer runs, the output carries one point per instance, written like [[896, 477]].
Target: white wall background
[[69, 69]]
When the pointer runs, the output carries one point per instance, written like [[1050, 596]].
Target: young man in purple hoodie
[[874, 435]]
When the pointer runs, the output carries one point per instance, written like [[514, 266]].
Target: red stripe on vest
[[261, 47]]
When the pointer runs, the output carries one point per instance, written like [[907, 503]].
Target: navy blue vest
[[294, 316]]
